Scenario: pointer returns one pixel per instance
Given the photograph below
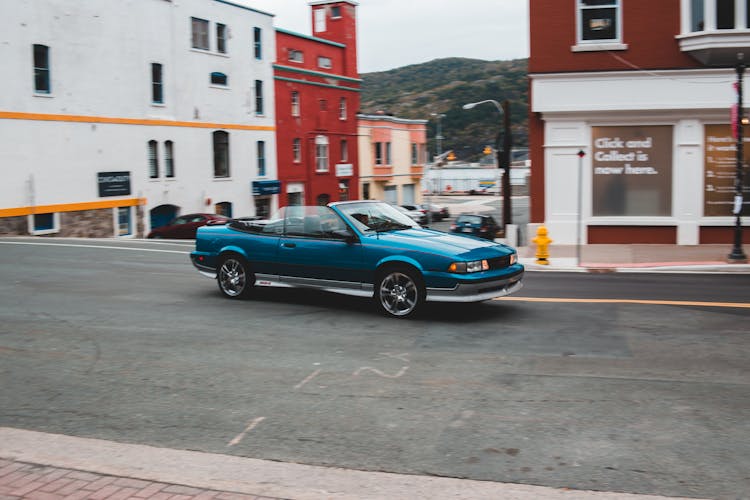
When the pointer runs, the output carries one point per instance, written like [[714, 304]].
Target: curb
[[269, 479]]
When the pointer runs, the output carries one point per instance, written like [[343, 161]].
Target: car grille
[[499, 262]]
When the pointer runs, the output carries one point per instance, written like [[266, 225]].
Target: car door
[[175, 228], [315, 251], [188, 230]]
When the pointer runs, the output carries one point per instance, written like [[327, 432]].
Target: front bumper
[[477, 292]]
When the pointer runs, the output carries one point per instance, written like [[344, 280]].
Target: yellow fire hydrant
[[542, 246]]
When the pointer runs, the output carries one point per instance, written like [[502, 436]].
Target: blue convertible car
[[364, 248]]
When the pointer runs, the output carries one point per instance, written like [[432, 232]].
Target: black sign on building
[[113, 183]]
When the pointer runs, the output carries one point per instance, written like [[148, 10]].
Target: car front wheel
[[234, 277], [399, 292]]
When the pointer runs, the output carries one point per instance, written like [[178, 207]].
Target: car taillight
[[453, 226]]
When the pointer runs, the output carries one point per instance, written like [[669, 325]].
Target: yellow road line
[[742, 305]]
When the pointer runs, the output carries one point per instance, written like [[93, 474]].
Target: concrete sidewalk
[[35, 465], [635, 258]]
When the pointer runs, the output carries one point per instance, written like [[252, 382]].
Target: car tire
[[399, 291], [234, 277]]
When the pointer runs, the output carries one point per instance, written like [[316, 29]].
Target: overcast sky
[[395, 33]]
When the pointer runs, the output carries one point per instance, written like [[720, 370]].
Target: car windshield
[[376, 216]]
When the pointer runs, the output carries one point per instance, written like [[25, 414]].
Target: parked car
[[482, 226], [418, 215], [185, 226], [361, 248], [436, 212]]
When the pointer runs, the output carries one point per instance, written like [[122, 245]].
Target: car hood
[[444, 243]]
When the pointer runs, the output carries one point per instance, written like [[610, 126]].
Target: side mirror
[[345, 235]]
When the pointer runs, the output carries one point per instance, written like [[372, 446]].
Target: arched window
[[218, 78], [224, 208]]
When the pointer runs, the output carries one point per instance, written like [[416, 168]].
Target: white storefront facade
[[117, 115], [658, 153]]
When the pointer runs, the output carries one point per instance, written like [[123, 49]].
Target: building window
[[295, 103], [45, 223], [258, 43], [323, 200], [710, 15], [224, 208], [221, 153], [221, 38], [319, 20], [258, 97], [169, 159], [296, 56], [378, 153], [387, 153], [335, 12], [697, 15], [414, 153], [220, 79], [157, 84], [344, 190], [725, 14], [297, 150], [324, 62], [599, 20], [261, 158], [41, 69], [344, 151], [323, 103], [199, 33], [321, 153], [153, 160], [124, 225], [342, 108]]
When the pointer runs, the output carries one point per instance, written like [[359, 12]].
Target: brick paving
[[19, 480]]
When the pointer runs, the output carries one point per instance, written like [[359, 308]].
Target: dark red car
[[185, 226]]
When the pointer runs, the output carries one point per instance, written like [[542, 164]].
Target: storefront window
[[632, 171], [721, 170]]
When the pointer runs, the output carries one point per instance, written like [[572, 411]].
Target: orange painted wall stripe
[[71, 207], [12, 115]]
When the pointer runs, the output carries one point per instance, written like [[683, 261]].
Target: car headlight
[[513, 258], [469, 267]]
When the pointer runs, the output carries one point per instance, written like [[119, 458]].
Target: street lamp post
[[439, 144], [738, 255], [503, 154], [439, 136]]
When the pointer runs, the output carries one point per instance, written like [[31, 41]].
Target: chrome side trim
[[340, 287]]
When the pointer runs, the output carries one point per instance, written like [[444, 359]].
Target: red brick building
[[317, 100], [644, 89]]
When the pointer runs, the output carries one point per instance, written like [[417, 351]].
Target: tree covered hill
[[444, 86]]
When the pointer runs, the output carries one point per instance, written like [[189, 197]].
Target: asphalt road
[[125, 341]]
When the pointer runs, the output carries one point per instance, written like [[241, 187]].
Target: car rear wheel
[[234, 277], [399, 292]]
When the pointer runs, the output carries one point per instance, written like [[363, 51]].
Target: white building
[[117, 115]]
